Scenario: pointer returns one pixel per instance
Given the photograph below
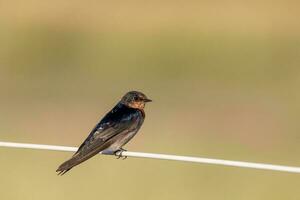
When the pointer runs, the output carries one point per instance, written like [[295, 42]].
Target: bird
[[115, 130]]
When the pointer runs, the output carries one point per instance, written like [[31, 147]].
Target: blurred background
[[224, 77]]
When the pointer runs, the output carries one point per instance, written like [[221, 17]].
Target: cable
[[163, 157]]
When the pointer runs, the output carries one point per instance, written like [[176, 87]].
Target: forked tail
[[66, 166]]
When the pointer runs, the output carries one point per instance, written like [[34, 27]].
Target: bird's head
[[134, 99]]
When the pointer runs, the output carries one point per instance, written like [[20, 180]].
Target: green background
[[224, 77]]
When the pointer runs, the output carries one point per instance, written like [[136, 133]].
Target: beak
[[147, 100]]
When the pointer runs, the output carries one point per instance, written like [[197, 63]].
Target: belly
[[121, 139]]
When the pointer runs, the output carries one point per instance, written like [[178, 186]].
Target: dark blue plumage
[[113, 131]]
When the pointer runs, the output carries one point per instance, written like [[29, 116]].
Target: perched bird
[[116, 129]]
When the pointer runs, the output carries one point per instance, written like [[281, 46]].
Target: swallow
[[115, 130]]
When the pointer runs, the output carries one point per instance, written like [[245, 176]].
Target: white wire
[[164, 157]]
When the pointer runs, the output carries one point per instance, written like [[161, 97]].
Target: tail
[[69, 164], [75, 160], [66, 166]]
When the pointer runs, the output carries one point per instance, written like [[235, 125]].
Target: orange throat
[[137, 105]]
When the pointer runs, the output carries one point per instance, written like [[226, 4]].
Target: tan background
[[224, 77]]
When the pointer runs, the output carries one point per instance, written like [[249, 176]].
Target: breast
[[125, 136]]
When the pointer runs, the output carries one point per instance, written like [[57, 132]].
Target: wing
[[101, 133], [118, 121]]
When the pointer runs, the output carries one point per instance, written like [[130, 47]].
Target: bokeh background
[[224, 77]]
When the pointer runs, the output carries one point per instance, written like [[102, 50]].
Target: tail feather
[[69, 164], [62, 172], [66, 166], [75, 160]]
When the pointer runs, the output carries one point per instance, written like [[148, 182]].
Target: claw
[[119, 152]]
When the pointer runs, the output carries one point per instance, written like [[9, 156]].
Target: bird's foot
[[119, 152]]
